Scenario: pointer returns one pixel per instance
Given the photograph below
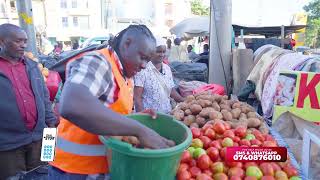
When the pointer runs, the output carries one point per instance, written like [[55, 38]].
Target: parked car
[[95, 40]]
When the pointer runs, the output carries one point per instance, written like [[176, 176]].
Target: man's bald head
[[13, 41], [7, 30]]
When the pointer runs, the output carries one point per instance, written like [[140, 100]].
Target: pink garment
[[286, 62]]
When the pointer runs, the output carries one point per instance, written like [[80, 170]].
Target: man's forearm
[[138, 105], [84, 110]]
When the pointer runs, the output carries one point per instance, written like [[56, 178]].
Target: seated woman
[[154, 85]]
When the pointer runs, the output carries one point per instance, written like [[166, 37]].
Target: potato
[[243, 116], [253, 122], [190, 98], [234, 123], [205, 112], [264, 128], [225, 106], [215, 115], [236, 105], [194, 125], [225, 97], [133, 140], [195, 108], [183, 106], [216, 106], [227, 116], [204, 97], [187, 112], [245, 109], [201, 121], [236, 113], [179, 114], [217, 98], [204, 103], [189, 120], [251, 115]]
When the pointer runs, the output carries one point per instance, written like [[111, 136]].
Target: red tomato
[[203, 177], [193, 163], [223, 152], [216, 144], [245, 142], [267, 169], [194, 171], [236, 171], [213, 153], [229, 133], [247, 164], [206, 141], [235, 144], [184, 175], [255, 132], [210, 133], [208, 172], [219, 127], [227, 125], [269, 144], [235, 178], [268, 137], [234, 164], [275, 166], [240, 131], [236, 139], [250, 178], [186, 157], [255, 142], [291, 171], [268, 178], [206, 126], [196, 132], [260, 137], [220, 176], [183, 167], [203, 162]]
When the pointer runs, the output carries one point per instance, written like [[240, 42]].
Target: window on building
[[64, 22], [63, 4], [87, 4], [75, 21], [74, 4], [13, 6], [83, 22], [168, 9], [3, 9]]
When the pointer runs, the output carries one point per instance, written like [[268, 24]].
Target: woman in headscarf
[[154, 85]]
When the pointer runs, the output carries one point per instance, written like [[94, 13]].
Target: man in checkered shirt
[[91, 86]]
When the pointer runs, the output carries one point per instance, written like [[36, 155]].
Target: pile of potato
[[197, 110]]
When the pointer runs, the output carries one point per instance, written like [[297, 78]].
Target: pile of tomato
[[205, 158]]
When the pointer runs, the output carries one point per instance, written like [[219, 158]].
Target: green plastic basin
[[129, 163]]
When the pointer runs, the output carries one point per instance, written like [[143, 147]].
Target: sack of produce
[[186, 88]]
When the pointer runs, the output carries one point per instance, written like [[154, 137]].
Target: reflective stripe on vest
[[80, 149]]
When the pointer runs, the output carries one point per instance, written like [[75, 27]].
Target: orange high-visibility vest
[[80, 152]]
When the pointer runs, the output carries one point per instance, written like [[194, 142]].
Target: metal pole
[[8, 11], [220, 42], [24, 8], [282, 36]]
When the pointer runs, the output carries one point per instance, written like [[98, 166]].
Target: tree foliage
[[197, 8], [313, 29]]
